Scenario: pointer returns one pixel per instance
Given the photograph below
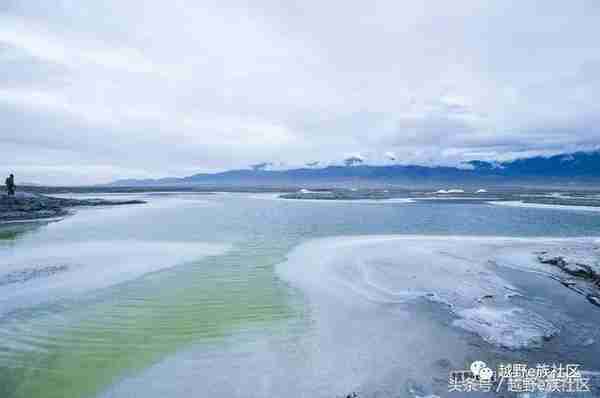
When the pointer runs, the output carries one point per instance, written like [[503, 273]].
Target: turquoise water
[[191, 274]]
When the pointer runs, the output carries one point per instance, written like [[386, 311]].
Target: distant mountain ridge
[[581, 167], [577, 164]]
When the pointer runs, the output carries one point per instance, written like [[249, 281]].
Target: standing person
[[10, 185]]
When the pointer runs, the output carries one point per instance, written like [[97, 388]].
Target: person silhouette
[[10, 185]]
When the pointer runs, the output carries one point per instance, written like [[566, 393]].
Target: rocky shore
[[585, 200], [582, 269], [339, 194], [25, 206]]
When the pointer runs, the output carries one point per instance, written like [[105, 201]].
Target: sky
[[93, 91]]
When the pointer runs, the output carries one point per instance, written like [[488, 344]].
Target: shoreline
[[364, 269], [353, 325], [26, 207], [34, 220]]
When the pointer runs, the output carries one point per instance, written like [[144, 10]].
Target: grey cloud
[[135, 89], [353, 160]]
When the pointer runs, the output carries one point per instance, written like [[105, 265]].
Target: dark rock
[[28, 206], [583, 264], [568, 282], [593, 299], [485, 297], [573, 268], [340, 194]]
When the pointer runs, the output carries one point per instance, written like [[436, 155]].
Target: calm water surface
[[145, 290]]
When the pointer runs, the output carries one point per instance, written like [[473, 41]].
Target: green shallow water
[[86, 346], [79, 345]]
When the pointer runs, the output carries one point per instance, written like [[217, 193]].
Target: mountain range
[[572, 168]]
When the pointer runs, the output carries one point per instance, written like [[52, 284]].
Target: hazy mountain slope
[[583, 167]]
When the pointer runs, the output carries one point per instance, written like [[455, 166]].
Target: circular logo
[[477, 366], [486, 374]]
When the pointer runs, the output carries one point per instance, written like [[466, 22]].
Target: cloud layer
[[93, 91]]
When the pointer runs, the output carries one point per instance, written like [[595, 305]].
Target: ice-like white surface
[[390, 269], [366, 323], [451, 190], [90, 265], [304, 190], [518, 203], [454, 271], [333, 201], [509, 327], [356, 332], [446, 197]]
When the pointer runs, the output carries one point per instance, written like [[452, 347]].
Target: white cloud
[[154, 89], [391, 156]]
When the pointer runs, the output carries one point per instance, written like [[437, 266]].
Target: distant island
[[578, 168]]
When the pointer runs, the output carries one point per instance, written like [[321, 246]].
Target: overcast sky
[[92, 91]]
